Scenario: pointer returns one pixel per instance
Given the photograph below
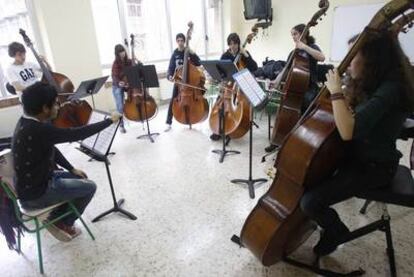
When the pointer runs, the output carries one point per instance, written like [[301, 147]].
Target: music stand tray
[[257, 97], [97, 147], [88, 88], [221, 71]]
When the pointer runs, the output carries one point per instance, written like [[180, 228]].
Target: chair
[[11, 89], [399, 192], [25, 216]]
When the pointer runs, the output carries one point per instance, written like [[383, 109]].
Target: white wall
[[277, 42]]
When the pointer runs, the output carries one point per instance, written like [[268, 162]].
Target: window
[[154, 24], [14, 15]]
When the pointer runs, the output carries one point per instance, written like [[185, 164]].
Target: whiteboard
[[350, 20]]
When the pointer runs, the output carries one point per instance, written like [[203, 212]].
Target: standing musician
[[233, 42], [313, 53], [380, 96], [38, 184], [118, 86], [176, 60], [21, 73]]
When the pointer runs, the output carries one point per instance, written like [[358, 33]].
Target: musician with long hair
[[311, 51], [118, 85], [380, 96]]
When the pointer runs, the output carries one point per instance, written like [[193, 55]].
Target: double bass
[[296, 75], [71, 113], [139, 105], [236, 106], [276, 226], [190, 106]]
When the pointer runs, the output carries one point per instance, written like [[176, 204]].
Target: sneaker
[[122, 129], [215, 137], [271, 148], [330, 239], [73, 231], [168, 128], [56, 231]]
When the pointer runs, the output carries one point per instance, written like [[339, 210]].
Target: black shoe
[[215, 137], [271, 148], [330, 239]]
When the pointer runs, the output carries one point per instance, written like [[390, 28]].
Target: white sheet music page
[[100, 143], [250, 87]]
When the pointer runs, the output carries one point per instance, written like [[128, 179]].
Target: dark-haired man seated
[[38, 184]]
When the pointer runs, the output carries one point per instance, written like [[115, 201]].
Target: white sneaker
[[168, 128]]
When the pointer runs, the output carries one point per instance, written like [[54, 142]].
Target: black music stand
[[221, 71], [257, 98], [89, 88], [142, 77], [97, 147]]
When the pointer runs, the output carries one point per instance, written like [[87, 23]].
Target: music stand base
[[116, 208], [250, 184], [223, 153], [149, 136]]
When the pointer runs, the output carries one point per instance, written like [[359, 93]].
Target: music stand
[[142, 77], [221, 71], [97, 147], [89, 88], [257, 98]]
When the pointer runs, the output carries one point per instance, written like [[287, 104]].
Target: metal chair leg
[[81, 219], [19, 242], [363, 210], [39, 245]]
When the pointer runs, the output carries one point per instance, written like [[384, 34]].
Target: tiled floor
[[187, 211]]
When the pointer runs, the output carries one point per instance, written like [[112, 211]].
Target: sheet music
[[250, 87], [101, 142]]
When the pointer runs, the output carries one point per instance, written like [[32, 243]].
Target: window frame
[[122, 10]]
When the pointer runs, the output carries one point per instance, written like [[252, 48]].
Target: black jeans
[[170, 114], [348, 181]]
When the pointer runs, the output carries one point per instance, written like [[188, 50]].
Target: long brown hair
[[300, 28], [383, 59], [119, 48]]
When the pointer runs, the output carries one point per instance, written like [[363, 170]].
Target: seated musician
[[21, 73], [38, 184], [118, 86], [311, 51], [379, 97], [233, 41], [176, 60]]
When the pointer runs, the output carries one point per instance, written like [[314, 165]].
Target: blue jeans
[[118, 94], [62, 187]]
